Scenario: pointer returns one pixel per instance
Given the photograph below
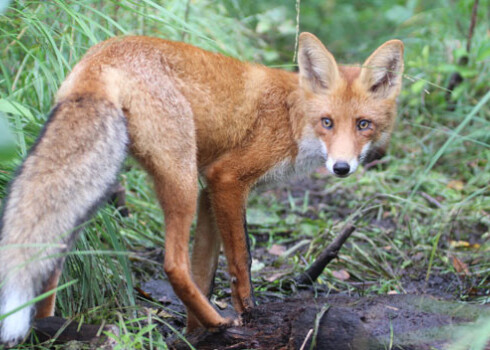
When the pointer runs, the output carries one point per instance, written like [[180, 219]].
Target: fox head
[[351, 110]]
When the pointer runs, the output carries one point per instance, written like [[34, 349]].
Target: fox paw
[[227, 323], [235, 322]]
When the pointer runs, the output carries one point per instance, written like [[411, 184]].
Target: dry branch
[[328, 254]]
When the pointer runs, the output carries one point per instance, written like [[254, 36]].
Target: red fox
[[183, 112]]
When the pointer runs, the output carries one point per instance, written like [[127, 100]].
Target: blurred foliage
[[434, 192]]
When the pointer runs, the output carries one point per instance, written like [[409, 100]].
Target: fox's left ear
[[382, 72]]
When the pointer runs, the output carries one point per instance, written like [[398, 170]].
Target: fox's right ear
[[318, 70]]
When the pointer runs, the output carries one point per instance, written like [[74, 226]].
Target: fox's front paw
[[235, 322], [227, 323], [248, 303]]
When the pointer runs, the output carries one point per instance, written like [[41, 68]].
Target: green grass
[[428, 204]]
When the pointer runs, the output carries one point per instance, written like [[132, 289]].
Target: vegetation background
[[423, 213]]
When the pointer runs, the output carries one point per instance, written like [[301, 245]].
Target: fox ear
[[382, 72], [317, 67]]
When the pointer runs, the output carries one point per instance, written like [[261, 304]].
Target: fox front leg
[[228, 198]]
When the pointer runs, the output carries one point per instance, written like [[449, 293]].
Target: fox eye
[[363, 124], [327, 123]]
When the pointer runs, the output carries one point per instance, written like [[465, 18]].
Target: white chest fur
[[312, 153]]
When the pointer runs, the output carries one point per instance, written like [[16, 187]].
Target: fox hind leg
[[175, 179], [45, 307]]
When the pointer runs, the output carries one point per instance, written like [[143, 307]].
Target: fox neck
[[306, 152]]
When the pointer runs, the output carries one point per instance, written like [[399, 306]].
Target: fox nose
[[341, 168]]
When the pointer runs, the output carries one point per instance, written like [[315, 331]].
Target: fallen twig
[[374, 163], [431, 199], [331, 252], [308, 336]]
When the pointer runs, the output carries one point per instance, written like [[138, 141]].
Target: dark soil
[[340, 322]]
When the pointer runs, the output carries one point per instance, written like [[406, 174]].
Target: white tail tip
[[16, 326]]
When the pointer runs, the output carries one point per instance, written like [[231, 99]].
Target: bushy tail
[[66, 175]]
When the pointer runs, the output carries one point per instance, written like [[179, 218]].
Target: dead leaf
[[276, 276], [150, 310], [463, 244], [220, 304], [158, 312], [457, 185], [164, 314], [418, 256], [342, 275], [459, 244], [256, 265], [460, 266], [277, 249], [165, 300]]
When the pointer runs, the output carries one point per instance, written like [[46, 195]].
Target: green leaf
[[7, 140], [15, 108], [398, 14], [418, 86], [483, 53], [467, 72]]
